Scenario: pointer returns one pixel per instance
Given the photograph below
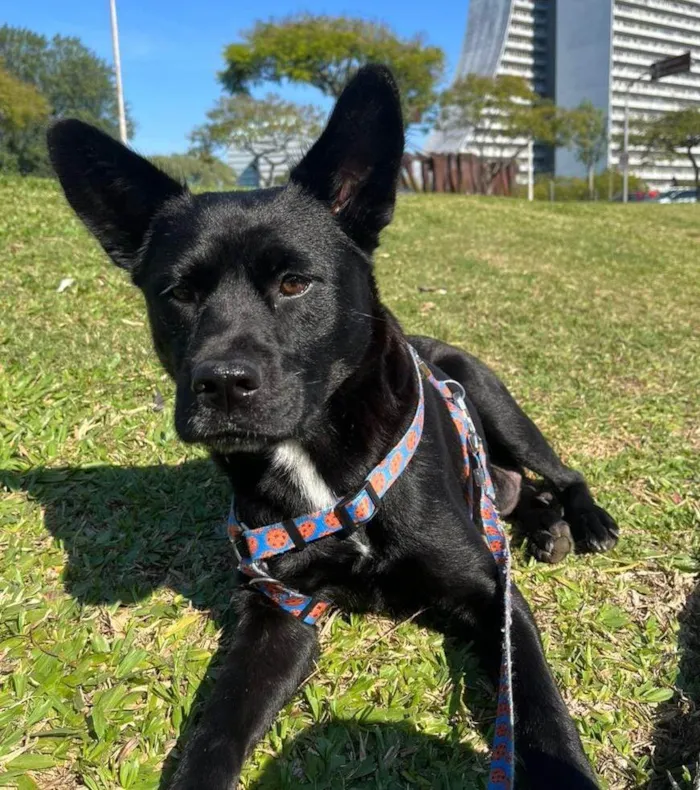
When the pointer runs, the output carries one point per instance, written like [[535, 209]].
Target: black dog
[[265, 312]]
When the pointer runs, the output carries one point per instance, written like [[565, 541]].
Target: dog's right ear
[[114, 191]]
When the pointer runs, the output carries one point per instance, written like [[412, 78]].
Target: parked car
[[678, 195]]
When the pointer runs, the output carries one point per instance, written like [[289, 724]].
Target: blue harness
[[254, 546]]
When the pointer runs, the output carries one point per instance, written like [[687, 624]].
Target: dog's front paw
[[593, 529], [551, 544]]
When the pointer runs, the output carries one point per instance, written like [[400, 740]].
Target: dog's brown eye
[[294, 285], [182, 294]]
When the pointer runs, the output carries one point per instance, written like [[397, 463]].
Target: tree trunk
[[591, 175]]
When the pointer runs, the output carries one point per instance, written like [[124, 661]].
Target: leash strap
[[254, 546], [503, 749]]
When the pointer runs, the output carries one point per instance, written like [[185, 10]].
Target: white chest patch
[[291, 457]]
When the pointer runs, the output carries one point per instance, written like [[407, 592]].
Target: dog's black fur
[[265, 312]]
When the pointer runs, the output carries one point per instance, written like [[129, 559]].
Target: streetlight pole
[[677, 64], [118, 71]]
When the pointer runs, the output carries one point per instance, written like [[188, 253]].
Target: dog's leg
[[547, 743], [546, 738], [271, 654], [516, 442]]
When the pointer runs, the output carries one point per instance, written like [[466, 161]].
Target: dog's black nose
[[223, 384]]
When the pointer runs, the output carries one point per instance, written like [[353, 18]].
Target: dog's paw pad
[[551, 544]]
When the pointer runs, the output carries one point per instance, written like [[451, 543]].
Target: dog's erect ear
[[114, 191], [354, 165]]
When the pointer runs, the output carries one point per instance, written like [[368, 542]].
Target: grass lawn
[[115, 576]]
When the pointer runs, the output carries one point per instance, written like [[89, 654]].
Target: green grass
[[115, 577]]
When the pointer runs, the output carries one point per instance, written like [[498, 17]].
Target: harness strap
[[348, 513], [253, 546]]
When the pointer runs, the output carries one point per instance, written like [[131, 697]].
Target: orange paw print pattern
[[378, 481], [307, 529], [361, 510], [498, 778], [252, 543], [294, 600], [395, 463], [331, 520], [500, 752], [277, 538], [502, 730], [318, 610], [412, 441]]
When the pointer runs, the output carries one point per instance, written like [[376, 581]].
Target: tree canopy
[[73, 81], [21, 107], [325, 51], [21, 104], [667, 135], [270, 129]]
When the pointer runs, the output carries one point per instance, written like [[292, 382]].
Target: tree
[[21, 106], [486, 108], [72, 79], [672, 133], [589, 136], [196, 172], [324, 51], [20, 103], [271, 130]]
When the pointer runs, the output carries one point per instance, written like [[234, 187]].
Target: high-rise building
[[572, 50], [510, 37], [603, 47]]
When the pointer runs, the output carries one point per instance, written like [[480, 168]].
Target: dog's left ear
[[354, 166]]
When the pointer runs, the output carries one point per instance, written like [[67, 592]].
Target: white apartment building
[[603, 46], [573, 50], [513, 37]]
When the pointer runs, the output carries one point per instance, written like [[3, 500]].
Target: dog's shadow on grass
[[677, 731], [128, 531]]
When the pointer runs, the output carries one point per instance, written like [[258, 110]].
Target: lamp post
[[118, 71], [626, 139], [678, 64]]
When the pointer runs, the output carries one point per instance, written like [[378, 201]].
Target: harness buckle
[[348, 523]]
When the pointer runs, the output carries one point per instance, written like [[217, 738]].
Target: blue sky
[[172, 49]]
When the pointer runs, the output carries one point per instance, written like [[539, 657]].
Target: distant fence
[[462, 173]]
